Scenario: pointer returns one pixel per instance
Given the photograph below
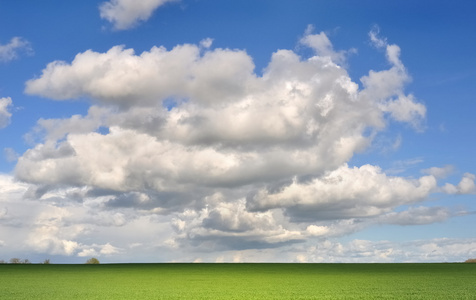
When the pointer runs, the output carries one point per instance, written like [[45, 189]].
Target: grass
[[239, 281]]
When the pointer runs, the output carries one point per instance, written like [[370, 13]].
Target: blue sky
[[287, 131]]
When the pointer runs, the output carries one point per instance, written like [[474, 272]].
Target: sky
[[237, 131]]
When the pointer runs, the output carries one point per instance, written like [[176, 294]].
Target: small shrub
[[46, 262], [471, 260], [92, 261]]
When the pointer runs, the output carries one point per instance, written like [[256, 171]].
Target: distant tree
[[471, 260], [15, 260], [92, 261], [2, 262], [26, 261], [46, 262]]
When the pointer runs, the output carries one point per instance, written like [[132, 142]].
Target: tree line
[[18, 261], [95, 261]]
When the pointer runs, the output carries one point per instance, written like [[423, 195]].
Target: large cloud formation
[[230, 159]]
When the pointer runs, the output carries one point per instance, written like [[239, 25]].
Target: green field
[[239, 281]]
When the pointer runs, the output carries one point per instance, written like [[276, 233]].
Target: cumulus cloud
[[120, 77], [465, 186], [193, 138], [231, 226], [98, 250], [439, 172], [5, 114], [125, 14], [344, 193], [322, 46], [11, 50], [404, 109]]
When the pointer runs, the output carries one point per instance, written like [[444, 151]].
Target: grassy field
[[239, 281]]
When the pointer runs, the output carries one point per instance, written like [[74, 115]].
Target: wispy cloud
[[11, 50], [5, 114], [10, 154]]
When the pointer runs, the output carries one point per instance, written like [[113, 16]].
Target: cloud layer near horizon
[[194, 140]]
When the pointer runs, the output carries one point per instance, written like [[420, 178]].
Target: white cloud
[[439, 172], [322, 46], [402, 107], [10, 51], [99, 250], [465, 186], [206, 43], [315, 230], [344, 193], [56, 129], [108, 249], [49, 235], [5, 114], [405, 109], [375, 39], [125, 14], [90, 252], [9, 188], [120, 77]]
